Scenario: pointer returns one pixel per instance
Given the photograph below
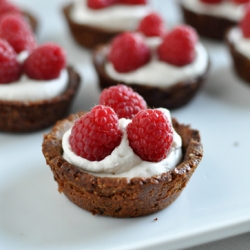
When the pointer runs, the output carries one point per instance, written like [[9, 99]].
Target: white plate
[[215, 203]]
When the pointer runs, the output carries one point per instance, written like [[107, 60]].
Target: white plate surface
[[215, 203]]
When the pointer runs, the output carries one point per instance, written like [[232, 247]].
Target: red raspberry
[[212, 1], [245, 24], [125, 102], [45, 62], [96, 134], [241, 1], [128, 52], [150, 135], [152, 25], [133, 2], [10, 69], [8, 7], [178, 46], [99, 4], [16, 30]]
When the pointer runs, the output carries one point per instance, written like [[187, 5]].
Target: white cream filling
[[114, 18], [161, 74], [123, 162], [225, 9], [241, 43], [27, 89]]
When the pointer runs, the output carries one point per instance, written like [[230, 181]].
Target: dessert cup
[[21, 116], [208, 26], [170, 97], [121, 197], [85, 35], [241, 63]]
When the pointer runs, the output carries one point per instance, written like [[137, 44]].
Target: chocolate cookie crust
[[207, 26], [241, 62], [85, 35], [18, 116], [170, 97], [121, 197]]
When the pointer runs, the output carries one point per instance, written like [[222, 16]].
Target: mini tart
[[120, 197], [241, 62], [170, 97], [18, 116], [85, 35], [207, 26]]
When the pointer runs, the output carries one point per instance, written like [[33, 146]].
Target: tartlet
[[120, 197], [21, 116], [90, 35], [207, 25], [85, 35], [170, 97], [238, 42], [241, 63]]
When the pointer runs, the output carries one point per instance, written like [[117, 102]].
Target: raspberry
[[17, 32], [245, 24], [10, 70], [128, 52], [132, 2], [8, 7], [212, 1], [178, 46], [99, 4], [152, 25], [45, 62], [125, 102], [96, 134], [150, 135]]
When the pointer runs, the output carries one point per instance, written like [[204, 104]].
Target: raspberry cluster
[[44, 62], [129, 51], [96, 134]]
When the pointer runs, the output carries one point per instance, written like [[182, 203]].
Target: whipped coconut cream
[[115, 18], [26, 89], [241, 43], [161, 74], [225, 9], [123, 162]]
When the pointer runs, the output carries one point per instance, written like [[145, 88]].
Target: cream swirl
[[161, 74], [115, 18], [225, 9], [241, 43], [27, 89]]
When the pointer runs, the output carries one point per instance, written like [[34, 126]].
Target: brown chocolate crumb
[[155, 219]]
